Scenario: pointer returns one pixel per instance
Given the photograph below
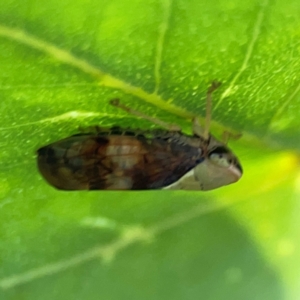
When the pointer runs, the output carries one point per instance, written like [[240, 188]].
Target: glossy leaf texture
[[62, 61]]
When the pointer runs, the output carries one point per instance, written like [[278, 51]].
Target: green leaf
[[62, 61]]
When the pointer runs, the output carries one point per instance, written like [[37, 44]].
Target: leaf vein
[[103, 78], [66, 116], [276, 118], [255, 34], [109, 251], [160, 42]]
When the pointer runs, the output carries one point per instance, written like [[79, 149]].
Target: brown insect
[[125, 159]]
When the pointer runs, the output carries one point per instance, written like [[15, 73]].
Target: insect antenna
[[214, 85]]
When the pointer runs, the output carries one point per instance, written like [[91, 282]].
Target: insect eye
[[199, 160], [219, 159]]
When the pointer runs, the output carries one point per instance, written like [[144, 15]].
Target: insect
[[126, 159]]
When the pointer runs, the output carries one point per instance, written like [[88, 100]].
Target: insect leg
[[214, 85], [197, 128], [170, 127]]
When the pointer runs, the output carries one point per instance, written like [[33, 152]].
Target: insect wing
[[115, 162]]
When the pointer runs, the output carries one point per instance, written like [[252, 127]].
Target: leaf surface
[[62, 61]]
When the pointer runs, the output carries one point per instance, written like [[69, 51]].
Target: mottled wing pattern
[[115, 162]]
